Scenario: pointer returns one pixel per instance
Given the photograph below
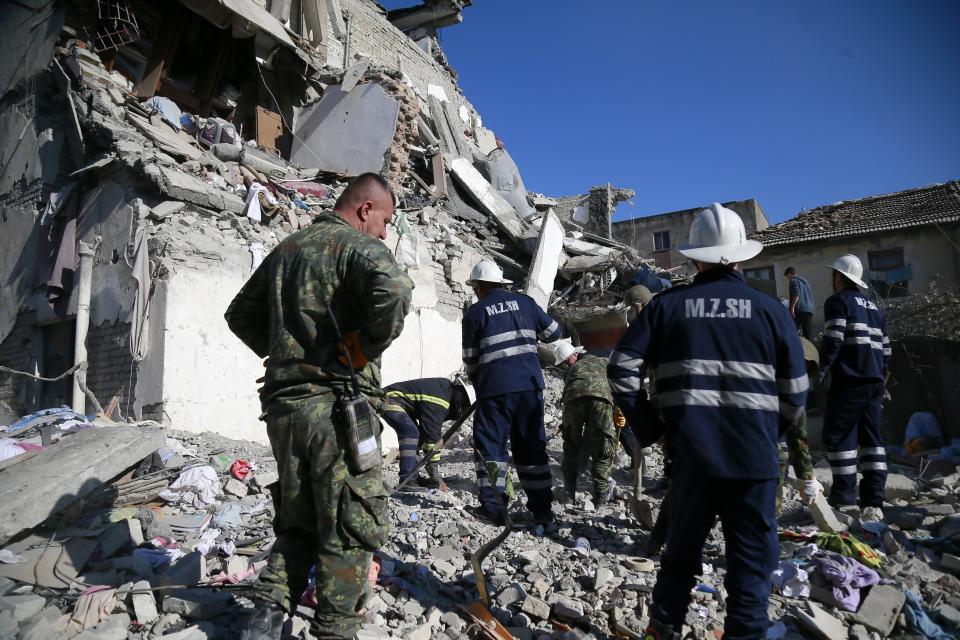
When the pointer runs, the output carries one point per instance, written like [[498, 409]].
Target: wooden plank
[[59, 475], [439, 175], [269, 128]]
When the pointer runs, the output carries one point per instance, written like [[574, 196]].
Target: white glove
[[811, 489]]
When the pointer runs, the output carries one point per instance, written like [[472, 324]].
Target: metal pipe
[[83, 324]]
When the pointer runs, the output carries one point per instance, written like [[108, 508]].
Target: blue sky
[[795, 104]]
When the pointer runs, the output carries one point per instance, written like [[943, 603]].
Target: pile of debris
[[152, 533], [929, 314]]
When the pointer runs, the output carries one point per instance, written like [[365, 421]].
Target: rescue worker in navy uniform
[[729, 376], [856, 352], [500, 333], [417, 409]]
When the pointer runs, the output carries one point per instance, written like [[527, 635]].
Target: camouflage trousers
[[325, 515], [588, 427]]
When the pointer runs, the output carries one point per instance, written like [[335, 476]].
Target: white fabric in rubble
[[258, 252], [9, 448], [196, 486], [407, 245], [791, 581], [253, 201]]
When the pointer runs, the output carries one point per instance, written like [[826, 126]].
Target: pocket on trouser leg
[[363, 511]]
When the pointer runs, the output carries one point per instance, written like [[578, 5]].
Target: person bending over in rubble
[[729, 376], [417, 409], [330, 502], [500, 333], [587, 421]]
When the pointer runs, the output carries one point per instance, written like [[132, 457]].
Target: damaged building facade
[[172, 179]]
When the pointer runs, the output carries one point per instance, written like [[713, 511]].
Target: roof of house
[[911, 208]]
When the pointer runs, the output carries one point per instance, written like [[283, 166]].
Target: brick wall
[[108, 349], [15, 354]]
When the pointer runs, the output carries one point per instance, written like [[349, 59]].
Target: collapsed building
[[165, 153], [149, 159]]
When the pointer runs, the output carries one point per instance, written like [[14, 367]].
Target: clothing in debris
[[417, 409], [588, 422], [500, 335], [729, 373], [846, 577], [327, 513], [856, 353]]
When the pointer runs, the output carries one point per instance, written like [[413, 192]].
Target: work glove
[[350, 344], [811, 489], [618, 418]]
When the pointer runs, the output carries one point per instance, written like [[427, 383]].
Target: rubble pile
[[169, 547], [930, 313]]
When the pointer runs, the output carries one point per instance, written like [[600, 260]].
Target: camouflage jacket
[[281, 311], [587, 377]]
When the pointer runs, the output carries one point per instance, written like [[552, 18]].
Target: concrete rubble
[[123, 527]]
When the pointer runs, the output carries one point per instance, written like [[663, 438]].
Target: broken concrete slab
[[55, 565], [352, 75], [23, 606], [899, 487], [546, 260], [166, 209], [144, 603], [820, 623], [503, 174], [125, 534], [881, 608], [346, 132], [59, 475], [824, 516], [489, 200]]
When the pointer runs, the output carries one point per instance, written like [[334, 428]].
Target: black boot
[[266, 623], [433, 479]]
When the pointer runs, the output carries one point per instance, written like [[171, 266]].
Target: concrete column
[[83, 324]]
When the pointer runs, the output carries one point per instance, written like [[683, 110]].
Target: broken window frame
[[882, 260], [762, 279], [658, 241]]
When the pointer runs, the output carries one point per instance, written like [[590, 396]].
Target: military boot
[[433, 479], [266, 623], [657, 630], [570, 487]]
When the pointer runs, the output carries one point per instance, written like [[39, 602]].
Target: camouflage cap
[[637, 294]]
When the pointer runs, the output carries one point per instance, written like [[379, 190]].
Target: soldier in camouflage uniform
[[795, 447], [587, 420], [326, 514]]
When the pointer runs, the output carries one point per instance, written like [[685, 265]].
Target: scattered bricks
[[899, 487], [824, 516], [124, 534], [951, 563], [452, 620], [880, 609], [235, 488], [197, 604], [536, 608], [144, 604], [566, 607], [113, 628], [423, 632], [22, 606], [602, 578], [166, 209]]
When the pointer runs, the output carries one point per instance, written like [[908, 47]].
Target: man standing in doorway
[[333, 278], [729, 377], [856, 352], [801, 302], [500, 333]]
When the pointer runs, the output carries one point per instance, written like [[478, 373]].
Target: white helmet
[[565, 349], [850, 266], [717, 236], [487, 271], [461, 381]]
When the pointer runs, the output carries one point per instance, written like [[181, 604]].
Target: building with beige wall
[[658, 236], [904, 240]]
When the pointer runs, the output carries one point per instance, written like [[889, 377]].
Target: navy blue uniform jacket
[[856, 346], [500, 336], [728, 368]]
